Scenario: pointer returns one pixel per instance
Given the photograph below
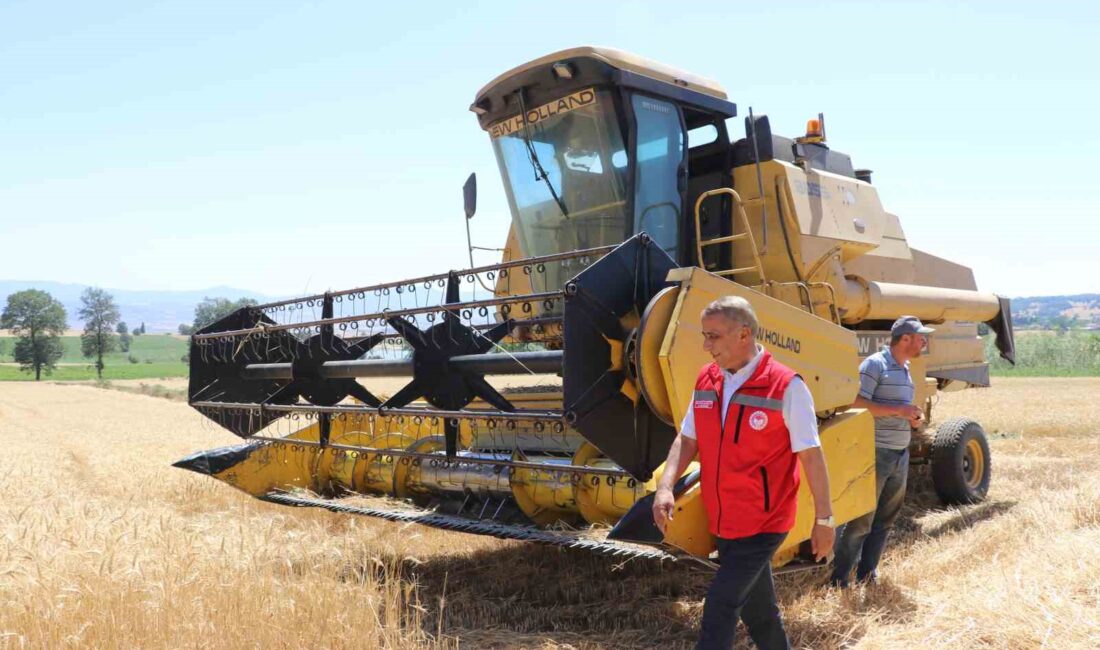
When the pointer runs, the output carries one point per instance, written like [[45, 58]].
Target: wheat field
[[103, 545]]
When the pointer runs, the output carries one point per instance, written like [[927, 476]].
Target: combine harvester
[[543, 392]]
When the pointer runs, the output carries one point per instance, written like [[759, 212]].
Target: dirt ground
[[103, 544]]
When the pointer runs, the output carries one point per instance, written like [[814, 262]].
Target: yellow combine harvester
[[543, 391]]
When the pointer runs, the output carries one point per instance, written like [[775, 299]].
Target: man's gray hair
[[736, 309]]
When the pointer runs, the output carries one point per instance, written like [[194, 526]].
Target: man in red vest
[[752, 421]]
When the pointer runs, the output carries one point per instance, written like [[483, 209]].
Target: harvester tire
[[961, 463]]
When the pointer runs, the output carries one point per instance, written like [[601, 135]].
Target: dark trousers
[[864, 539], [743, 589]]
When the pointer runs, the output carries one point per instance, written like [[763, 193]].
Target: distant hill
[[161, 311], [1045, 312]]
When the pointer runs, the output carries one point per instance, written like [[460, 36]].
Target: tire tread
[[946, 478]]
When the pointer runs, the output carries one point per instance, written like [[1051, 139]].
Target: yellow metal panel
[[848, 441], [270, 467], [688, 530], [285, 466], [935, 271], [955, 344], [821, 210], [892, 261]]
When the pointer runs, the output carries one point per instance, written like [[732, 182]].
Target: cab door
[[660, 170]]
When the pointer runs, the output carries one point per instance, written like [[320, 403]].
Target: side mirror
[[469, 195]]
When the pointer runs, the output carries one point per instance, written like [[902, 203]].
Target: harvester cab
[[595, 146], [537, 396]]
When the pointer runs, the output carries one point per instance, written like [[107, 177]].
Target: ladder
[[737, 210]]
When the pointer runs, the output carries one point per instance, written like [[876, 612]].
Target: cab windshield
[[565, 171]]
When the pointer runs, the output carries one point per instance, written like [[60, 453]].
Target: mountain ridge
[[160, 310]]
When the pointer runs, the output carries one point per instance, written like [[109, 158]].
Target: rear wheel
[[961, 464]]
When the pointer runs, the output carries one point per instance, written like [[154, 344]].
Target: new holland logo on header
[[512, 125], [778, 340]]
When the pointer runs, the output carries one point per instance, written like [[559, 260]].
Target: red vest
[[749, 473]]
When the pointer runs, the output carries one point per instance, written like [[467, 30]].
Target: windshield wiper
[[540, 173]]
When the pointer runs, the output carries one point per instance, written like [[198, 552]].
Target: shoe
[[837, 583]]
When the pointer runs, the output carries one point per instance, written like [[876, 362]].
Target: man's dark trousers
[[743, 589], [864, 538]]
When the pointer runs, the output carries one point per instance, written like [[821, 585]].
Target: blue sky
[[282, 147]]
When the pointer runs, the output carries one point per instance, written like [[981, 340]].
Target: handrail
[[803, 293], [832, 295], [737, 208]]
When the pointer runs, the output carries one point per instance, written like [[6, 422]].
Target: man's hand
[[822, 539], [663, 504], [911, 413]]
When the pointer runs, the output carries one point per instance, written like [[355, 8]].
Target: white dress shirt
[[798, 407]]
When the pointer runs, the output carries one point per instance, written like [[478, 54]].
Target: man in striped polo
[[886, 390]]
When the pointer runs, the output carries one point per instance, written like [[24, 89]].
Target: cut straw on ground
[[102, 544]]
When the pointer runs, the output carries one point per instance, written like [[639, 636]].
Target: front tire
[[961, 463]]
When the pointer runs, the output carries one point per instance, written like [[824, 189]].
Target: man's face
[[913, 344], [728, 342]]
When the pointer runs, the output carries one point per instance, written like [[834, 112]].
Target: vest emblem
[[758, 420]]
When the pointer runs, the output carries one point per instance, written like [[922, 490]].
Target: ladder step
[[744, 269], [722, 240]]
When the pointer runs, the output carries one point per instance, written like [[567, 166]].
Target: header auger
[[536, 398]]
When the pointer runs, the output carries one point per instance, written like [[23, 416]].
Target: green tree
[[100, 315], [213, 309], [38, 321], [186, 330], [124, 338], [1062, 323]]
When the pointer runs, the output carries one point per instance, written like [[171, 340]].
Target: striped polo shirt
[[884, 380]]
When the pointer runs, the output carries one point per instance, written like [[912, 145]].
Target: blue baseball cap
[[909, 325]]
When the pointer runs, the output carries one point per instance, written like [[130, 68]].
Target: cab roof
[[622, 61]]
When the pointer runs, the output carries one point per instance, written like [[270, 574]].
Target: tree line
[[37, 321]]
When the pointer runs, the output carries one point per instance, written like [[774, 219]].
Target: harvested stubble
[[102, 544]]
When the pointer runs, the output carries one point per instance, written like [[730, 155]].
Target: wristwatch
[[827, 521]]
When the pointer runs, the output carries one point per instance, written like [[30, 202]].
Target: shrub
[[1057, 354]]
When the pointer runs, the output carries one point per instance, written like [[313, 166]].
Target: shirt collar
[[750, 367], [889, 356]]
